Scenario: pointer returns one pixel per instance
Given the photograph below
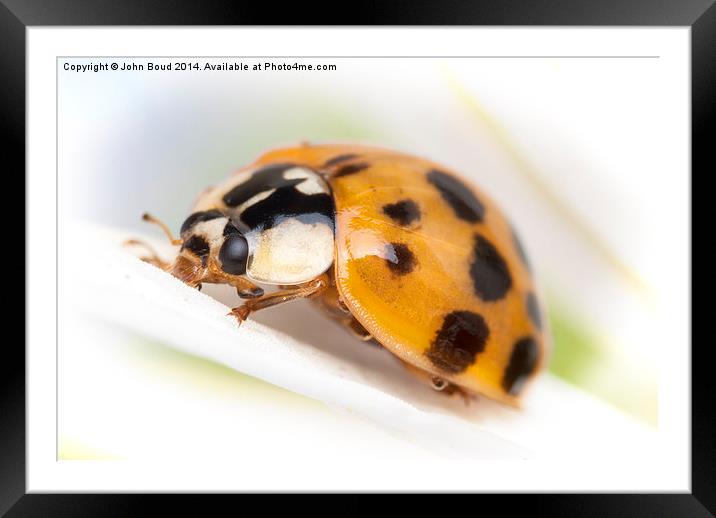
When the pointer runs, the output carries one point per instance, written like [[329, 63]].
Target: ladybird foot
[[357, 330], [153, 258], [252, 292], [467, 397], [241, 313], [450, 389]]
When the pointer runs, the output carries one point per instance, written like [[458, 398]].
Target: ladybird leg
[[310, 289], [245, 289], [440, 384], [248, 290], [152, 258], [155, 260], [357, 330], [450, 389], [333, 306]]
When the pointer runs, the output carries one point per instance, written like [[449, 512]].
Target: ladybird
[[400, 250]]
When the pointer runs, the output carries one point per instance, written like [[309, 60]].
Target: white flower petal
[[298, 349]]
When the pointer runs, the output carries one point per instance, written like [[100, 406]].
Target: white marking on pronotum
[[254, 200], [312, 183], [290, 252], [213, 197]]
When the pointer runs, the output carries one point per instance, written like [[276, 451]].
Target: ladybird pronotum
[[400, 250]]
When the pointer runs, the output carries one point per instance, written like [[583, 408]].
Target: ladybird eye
[[233, 254]]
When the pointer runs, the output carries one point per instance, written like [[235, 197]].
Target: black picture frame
[[17, 15]]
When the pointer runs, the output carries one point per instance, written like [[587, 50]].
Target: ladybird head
[[271, 225], [213, 249]]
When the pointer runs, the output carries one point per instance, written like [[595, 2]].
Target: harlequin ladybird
[[400, 250]]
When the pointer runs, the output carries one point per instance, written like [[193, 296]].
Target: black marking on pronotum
[[533, 310], [523, 361], [285, 200], [403, 212], [197, 245], [198, 217], [458, 195], [340, 158], [490, 276], [230, 229], [519, 248], [349, 169], [457, 343], [401, 260], [233, 254], [290, 202], [261, 180]]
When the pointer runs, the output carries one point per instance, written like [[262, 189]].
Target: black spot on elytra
[[519, 248], [340, 158], [197, 245], [458, 195], [523, 361], [490, 276], [198, 217], [533, 310], [349, 169], [261, 180], [403, 212], [461, 338], [402, 261], [233, 254]]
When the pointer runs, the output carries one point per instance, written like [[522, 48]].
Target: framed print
[[322, 258]]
